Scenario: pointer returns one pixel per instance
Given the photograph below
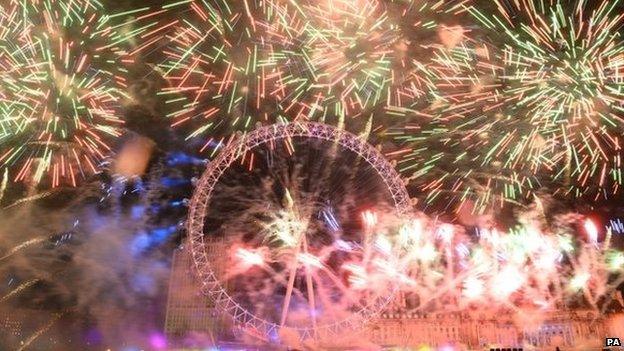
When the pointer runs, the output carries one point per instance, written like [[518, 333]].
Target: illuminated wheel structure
[[210, 281]]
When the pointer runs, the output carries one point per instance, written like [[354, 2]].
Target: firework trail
[[62, 88], [40, 332], [3, 185], [22, 246], [29, 199], [19, 289]]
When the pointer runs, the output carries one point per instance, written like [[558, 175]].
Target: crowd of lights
[[528, 269]]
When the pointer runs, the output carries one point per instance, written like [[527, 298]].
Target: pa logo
[[613, 342]]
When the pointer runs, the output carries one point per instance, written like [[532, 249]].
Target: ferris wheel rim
[[210, 284]]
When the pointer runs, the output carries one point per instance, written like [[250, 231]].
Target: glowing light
[[473, 287], [591, 230], [310, 260], [410, 233], [446, 232], [369, 218], [616, 261], [383, 244], [250, 258], [508, 280], [579, 281], [343, 245], [426, 253], [357, 277]]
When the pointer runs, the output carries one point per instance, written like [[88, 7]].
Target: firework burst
[[564, 74], [347, 59], [527, 268], [62, 87], [231, 65], [216, 64], [543, 108], [340, 55], [467, 148]]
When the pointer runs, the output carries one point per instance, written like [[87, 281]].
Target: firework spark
[[216, 67], [535, 101], [62, 87], [230, 66]]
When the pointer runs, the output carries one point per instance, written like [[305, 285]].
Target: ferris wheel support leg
[[310, 289], [291, 284]]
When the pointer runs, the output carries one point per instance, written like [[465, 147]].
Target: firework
[[232, 65], [290, 221], [536, 101], [438, 266], [564, 73], [3, 185], [346, 59], [22, 246], [468, 151], [62, 87], [216, 66], [523, 269], [340, 55]]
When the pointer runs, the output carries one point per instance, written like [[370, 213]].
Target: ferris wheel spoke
[[346, 292], [281, 280], [310, 287], [324, 299]]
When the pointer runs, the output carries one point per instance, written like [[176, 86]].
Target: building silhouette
[[188, 310]]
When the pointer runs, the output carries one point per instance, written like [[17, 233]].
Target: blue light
[[161, 234], [616, 226], [143, 283], [139, 187], [144, 241], [139, 244], [173, 182], [273, 336], [180, 158], [177, 203], [330, 219], [137, 211]]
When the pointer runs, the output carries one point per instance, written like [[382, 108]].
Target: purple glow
[[158, 341]]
